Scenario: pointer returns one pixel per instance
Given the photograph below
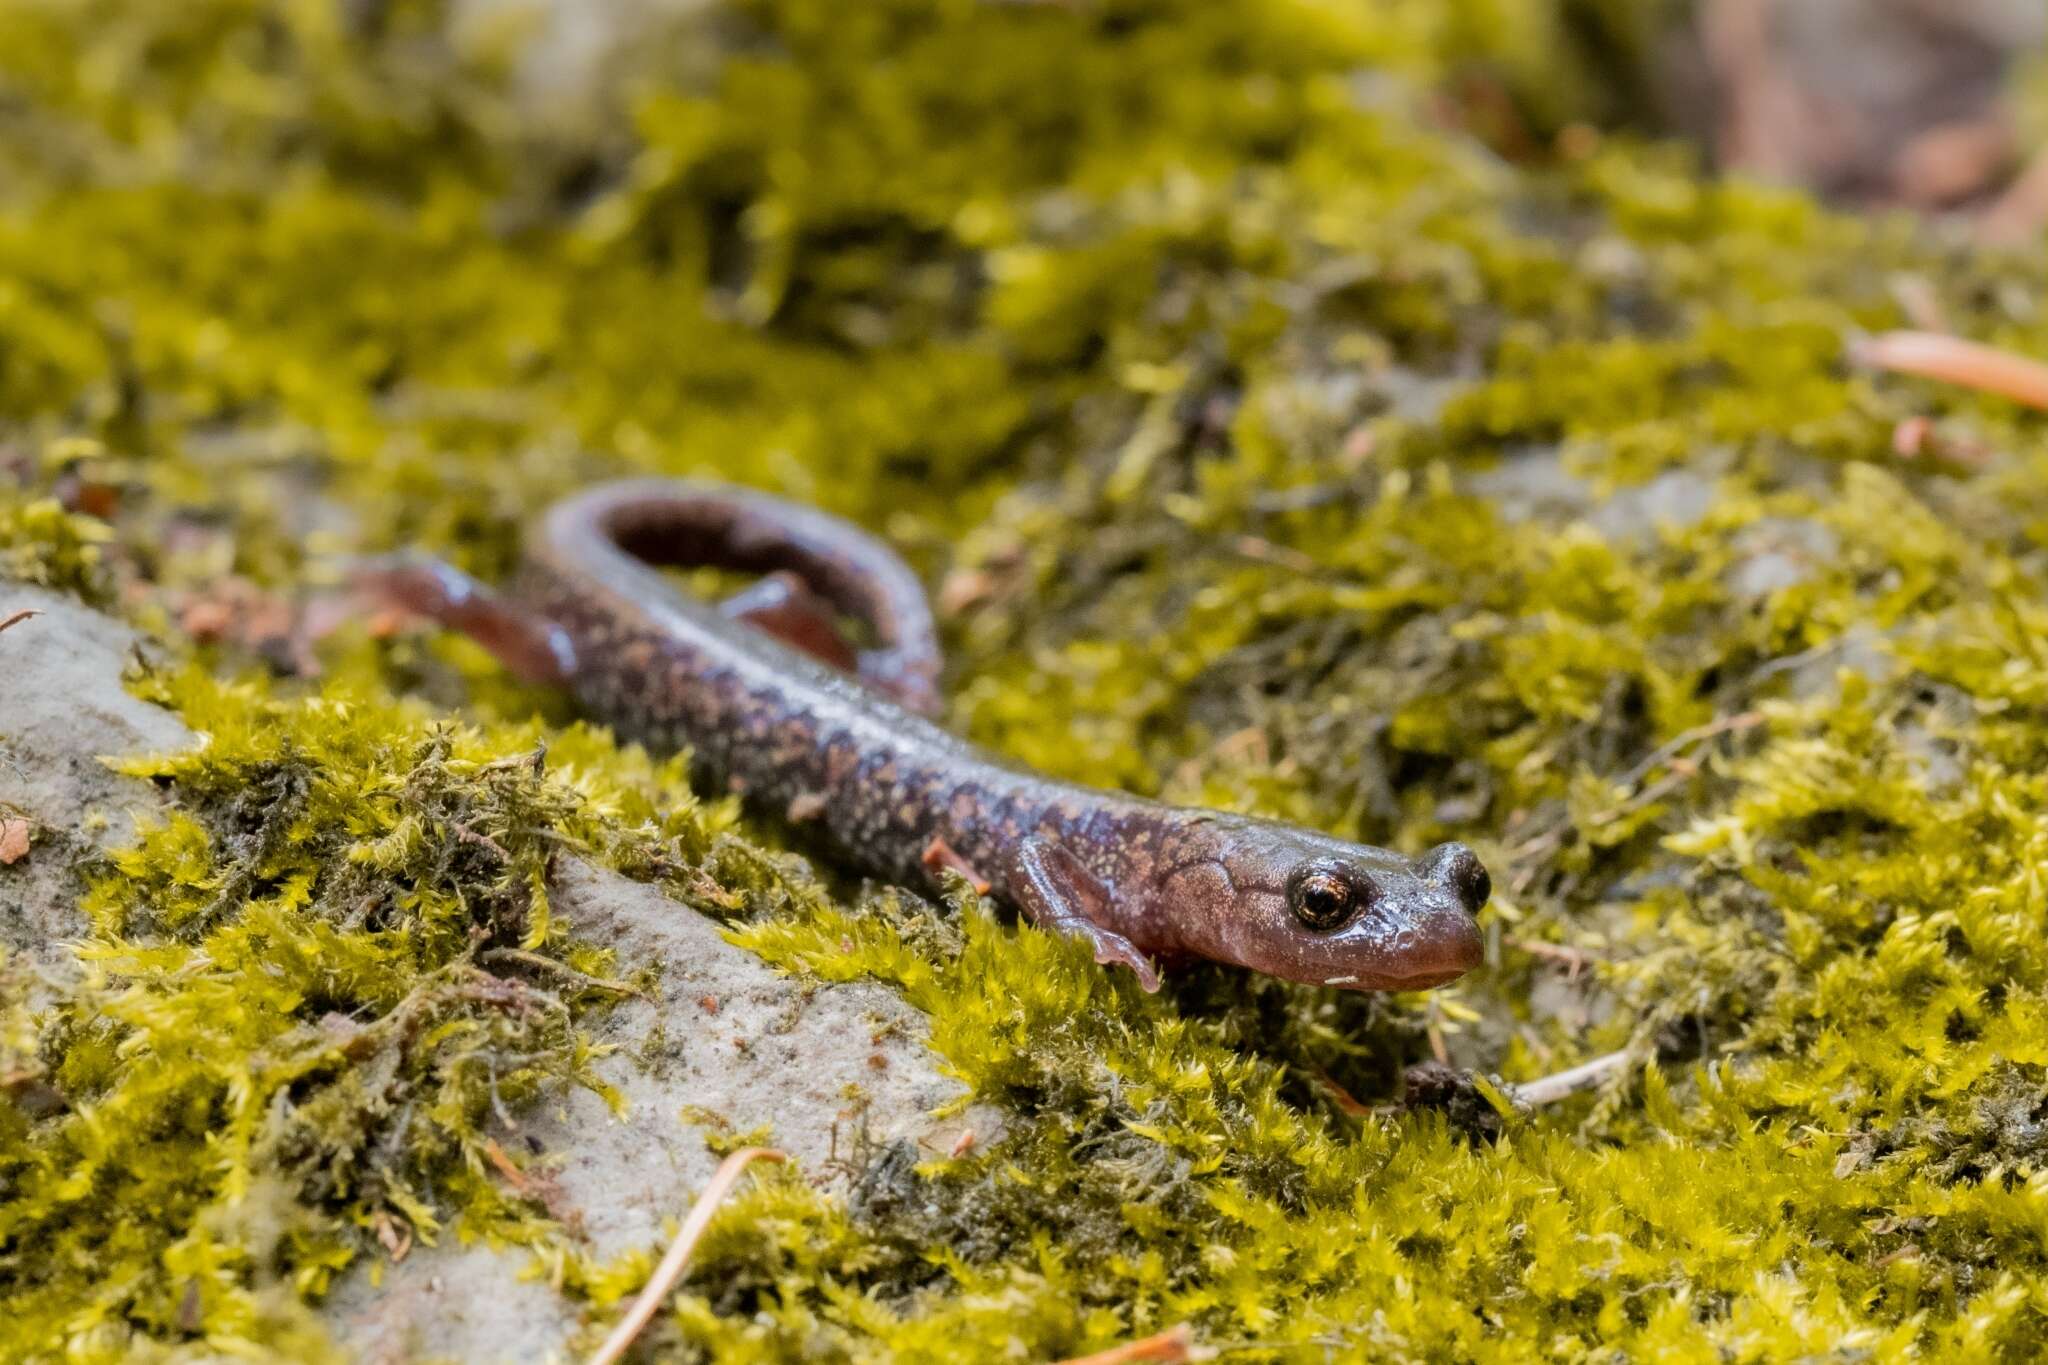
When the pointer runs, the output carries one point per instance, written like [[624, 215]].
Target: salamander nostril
[[1457, 868]]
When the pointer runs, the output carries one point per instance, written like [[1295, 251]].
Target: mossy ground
[[1179, 341]]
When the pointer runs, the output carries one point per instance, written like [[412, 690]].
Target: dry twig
[[520, 1182], [1346, 1102], [560, 969], [1932, 355], [481, 840], [1176, 1343], [665, 1275], [1573, 960], [1582, 1077]]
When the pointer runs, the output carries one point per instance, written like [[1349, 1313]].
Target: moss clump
[[296, 1010], [45, 544], [1276, 447], [44, 541]]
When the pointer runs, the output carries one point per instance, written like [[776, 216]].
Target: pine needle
[[1582, 1077], [665, 1275], [1933, 355], [1175, 1344]]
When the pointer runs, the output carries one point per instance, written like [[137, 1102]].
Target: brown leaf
[[395, 1235], [13, 839], [237, 612]]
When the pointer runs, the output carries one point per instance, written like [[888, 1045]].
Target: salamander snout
[[1457, 868], [1438, 937]]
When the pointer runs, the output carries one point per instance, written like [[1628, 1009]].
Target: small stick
[[1264, 551], [1346, 1102], [1573, 960], [470, 836], [1176, 1343], [1664, 753], [671, 1268], [1971, 364], [562, 970], [1581, 1077], [516, 1178], [18, 617], [1433, 1030]]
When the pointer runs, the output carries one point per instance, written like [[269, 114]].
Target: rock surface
[[726, 1044], [723, 1044], [62, 705]]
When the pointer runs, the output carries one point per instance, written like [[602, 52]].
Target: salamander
[[771, 700]]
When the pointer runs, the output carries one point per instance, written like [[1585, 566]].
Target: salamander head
[[1306, 907]]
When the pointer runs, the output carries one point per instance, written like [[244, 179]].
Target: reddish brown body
[[853, 756]]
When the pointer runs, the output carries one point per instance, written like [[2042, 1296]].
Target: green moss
[[1204, 368], [40, 540], [294, 1013], [42, 543]]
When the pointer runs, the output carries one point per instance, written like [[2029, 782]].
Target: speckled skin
[[892, 792]]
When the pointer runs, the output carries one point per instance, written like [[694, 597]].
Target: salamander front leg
[[1058, 893], [536, 649]]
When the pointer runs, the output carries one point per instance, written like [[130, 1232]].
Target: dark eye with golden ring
[[1323, 897]]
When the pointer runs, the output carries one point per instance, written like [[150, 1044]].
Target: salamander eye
[[1323, 897]]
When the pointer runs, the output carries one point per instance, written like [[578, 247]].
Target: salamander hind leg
[[531, 646], [784, 606], [1056, 892]]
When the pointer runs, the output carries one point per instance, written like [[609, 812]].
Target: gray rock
[[1933, 758], [570, 48], [1533, 483], [1779, 553], [1817, 674], [1677, 499], [725, 1044], [62, 706]]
